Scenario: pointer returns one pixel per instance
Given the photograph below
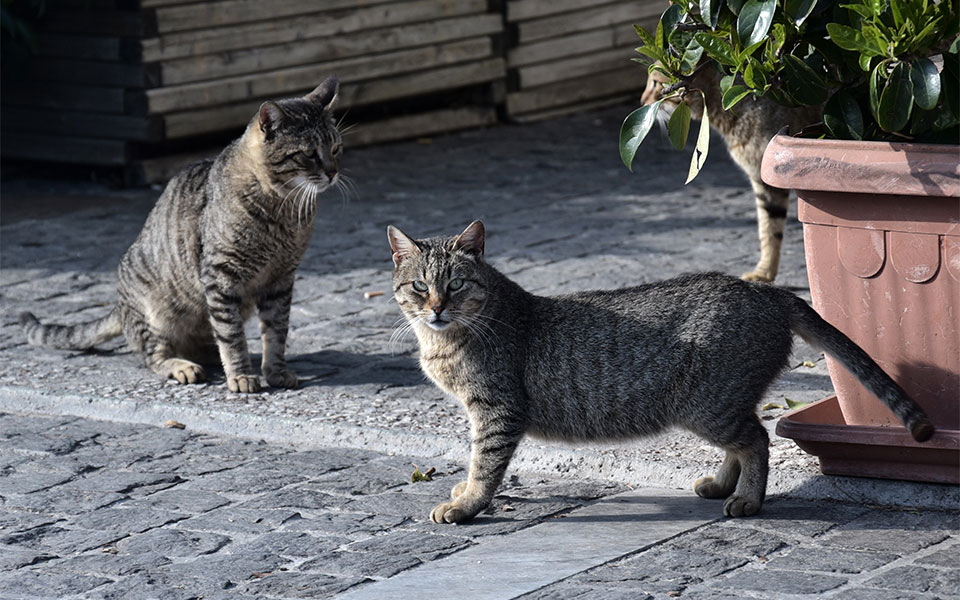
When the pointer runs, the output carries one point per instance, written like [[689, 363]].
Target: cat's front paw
[[738, 506], [244, 384], [185, 371], [282, 378], [450, 512]]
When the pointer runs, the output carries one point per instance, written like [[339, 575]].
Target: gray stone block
[[918, 579], [114, 566], [297, 585], [61, 501], [775, 582], [831, 560], [59, 540], [347, 524], [231, 519], [413, 543], [32, 584], [361, 564], [127, 521], [248, 479], [293, 544], [306, 496], [175, 543], [177, 499], [733, 541]]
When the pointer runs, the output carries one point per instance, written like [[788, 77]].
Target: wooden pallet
[[570, 55], [138, 83], [122, 82]]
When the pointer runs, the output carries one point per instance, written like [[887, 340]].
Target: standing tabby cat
[[226, 236], [747, 129], [610, 365]]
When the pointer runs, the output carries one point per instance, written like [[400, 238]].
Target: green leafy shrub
[[871, 64]]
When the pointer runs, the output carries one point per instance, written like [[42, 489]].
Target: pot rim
[[893, 168]]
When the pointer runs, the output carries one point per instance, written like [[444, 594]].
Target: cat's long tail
[[822, 335], [71, 337]]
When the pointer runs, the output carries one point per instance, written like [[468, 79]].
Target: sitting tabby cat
[[610, 365], [225, 236], [746, 128]]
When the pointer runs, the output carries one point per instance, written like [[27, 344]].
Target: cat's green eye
[[455, 284], [420, 286]]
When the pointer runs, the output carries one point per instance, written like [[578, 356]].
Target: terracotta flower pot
[[881, 230]]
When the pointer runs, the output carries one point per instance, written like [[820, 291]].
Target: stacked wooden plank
[[570, 55], [118, 86]]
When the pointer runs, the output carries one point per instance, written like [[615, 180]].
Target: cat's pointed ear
[[325, 94], [402, 244], [271, 116], [471, 240]]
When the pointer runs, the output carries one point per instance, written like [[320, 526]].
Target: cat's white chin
[[439, 325]]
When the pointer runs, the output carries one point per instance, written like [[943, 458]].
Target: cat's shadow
[[327, 368]]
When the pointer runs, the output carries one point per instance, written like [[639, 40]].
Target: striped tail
[[71, 337], [810, 326]]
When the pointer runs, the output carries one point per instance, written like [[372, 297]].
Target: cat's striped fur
[[696, 352], [747, 129], [224, 238]]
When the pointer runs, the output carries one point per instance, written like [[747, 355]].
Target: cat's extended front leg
[[493, 445], [227, 322], [274, 310]]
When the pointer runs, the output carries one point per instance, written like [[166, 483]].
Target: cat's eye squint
[[455, 284], [420, 286]]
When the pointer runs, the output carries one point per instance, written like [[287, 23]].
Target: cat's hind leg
[[752, 447], [771, 219], [159, 353]]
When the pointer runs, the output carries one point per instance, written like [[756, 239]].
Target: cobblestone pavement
[[205, 514], [95, 510], [562, 214]]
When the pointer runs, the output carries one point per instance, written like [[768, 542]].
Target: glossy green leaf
[[955, 46], [755, 20], [874, 88], [849, 38], [799, 10], [860, 9], [923, 121], [755, 75], [842, 117], [668, 20], [801, 82], [926, 83], [716, 48], [691, 57], [779, 35], [875, 40], [645, 35], [734, 94], [897, 13], [710, 12], [702, 148], [896, 100], [735, 6], [653, 52], [678, 127], [634, 129], [864, 61]]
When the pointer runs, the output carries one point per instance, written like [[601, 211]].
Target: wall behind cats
[[150, 89]]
